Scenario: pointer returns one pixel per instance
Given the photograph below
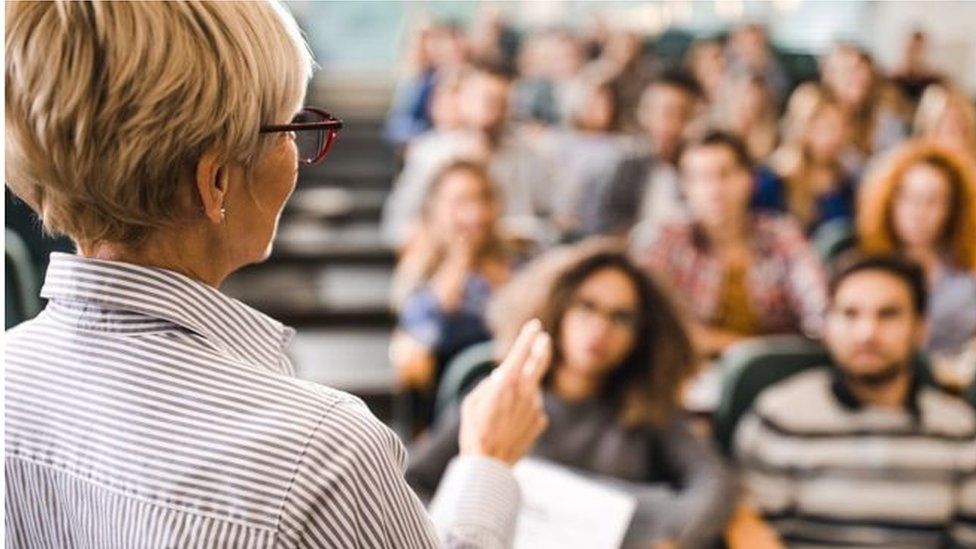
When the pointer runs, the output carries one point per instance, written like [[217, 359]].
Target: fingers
[[528, 423], [511, 367], [537, 365], [536, 416], [508, 398], [503, 420]]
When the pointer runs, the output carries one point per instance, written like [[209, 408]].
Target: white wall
[[950, 26], [367, 36]]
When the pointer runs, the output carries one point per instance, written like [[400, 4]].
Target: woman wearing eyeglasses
[[620, 357], [143, 407]]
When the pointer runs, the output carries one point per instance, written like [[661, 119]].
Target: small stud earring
[[223, 213]]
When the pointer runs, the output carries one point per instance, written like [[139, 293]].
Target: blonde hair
[[110, 105], [428, 250], [877, 194], [762, 137], [803, 104], [936, 102], [792, 160]]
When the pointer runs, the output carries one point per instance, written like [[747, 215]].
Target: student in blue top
[[812, 184], [444, 279]]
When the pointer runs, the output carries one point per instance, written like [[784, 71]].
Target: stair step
[[334, 318], [350, 360], [313, 287], [304, 240], [337, 204]]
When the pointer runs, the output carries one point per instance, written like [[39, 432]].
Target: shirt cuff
[[476, 504]]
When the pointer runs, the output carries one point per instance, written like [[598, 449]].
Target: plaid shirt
[[785, 281]]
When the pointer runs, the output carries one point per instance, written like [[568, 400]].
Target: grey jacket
[[684, 490]]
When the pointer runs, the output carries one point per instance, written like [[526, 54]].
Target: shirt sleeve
[[349, 491], [963, 529], [422, 318], [807, 281], [619, 200], [769, 486], [656, 258], [706, 497], [769, 192], [432, 454], [408, 115], [476, 504]]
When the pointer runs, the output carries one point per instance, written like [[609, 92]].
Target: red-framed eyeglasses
[[315, 131]]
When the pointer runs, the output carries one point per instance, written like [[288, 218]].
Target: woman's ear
[[212, 183]]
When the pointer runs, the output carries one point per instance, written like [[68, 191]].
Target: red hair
[[876, 198]]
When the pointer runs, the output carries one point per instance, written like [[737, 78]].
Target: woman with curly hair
[[921, 201], [620, 357]]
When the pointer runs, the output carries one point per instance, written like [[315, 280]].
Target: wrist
[[479, 451]]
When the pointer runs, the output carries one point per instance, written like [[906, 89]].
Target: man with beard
[[862, 453]]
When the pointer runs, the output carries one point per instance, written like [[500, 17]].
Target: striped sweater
[[828, 471]]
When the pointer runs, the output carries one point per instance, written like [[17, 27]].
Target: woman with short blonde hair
[[117, 76], [143, 407]]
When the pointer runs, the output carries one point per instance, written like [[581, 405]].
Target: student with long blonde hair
[[945, 114], [813, 184], [746, 108], [444, 279]]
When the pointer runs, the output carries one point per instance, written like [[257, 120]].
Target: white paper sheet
[[704, 391], [563, 510]]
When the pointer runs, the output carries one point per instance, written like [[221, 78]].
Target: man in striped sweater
[[861, 453]]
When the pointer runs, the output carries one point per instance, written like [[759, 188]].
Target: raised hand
[[504, 415]]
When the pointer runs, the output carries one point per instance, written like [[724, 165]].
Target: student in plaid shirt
[[740, 274]]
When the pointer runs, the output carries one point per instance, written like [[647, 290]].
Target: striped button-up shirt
[[145, 409]]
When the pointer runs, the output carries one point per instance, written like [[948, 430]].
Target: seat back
[[466, 369], [833, 238], [750, 367], [971, 393], [20, 289]]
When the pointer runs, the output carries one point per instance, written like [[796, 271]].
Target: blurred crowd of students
[[653, 214]]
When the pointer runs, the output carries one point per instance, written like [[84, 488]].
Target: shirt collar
[[762, 236], [166, 295], [842, 391]]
